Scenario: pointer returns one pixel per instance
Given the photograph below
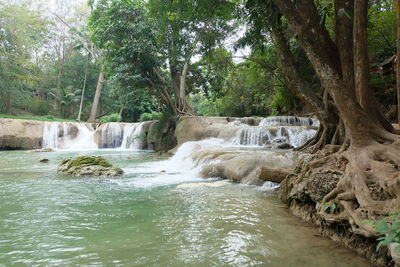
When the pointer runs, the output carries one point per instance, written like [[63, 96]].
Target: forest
[[221, 63], [136, 60]]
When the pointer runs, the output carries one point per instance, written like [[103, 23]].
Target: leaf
[[333, 208], [382, 227], [326, 207]]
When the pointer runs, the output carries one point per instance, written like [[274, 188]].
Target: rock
[[194, 128], [284, 146], [275, 175], [395, 252], [88, 166], [44, 150], [20, 134], [239, 167], [44, 160]]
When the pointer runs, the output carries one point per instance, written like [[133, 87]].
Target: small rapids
[[271, 131], [69, 135]]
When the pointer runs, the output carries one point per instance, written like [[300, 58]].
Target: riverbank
[[303, 192]]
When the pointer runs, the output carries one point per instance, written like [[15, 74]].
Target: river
[[156, 214]]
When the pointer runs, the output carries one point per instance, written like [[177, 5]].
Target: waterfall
[[299, 135], [84, 139], [83, 136], [252, 136], [111, 135], [289, 121], [131, 138], [66, 133], [277, 130], [50, 135]]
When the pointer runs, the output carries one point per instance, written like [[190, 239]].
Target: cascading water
[[66, 133], [111, 135], [276, 130], [84, 139], [299, 135], [50, 135], [289, 121], [131, 137], [82, 136], [252, 136]]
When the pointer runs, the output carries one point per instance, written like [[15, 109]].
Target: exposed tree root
[[346, 188], [369, 187]]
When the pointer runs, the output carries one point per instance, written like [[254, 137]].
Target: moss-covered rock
[[88, 166]]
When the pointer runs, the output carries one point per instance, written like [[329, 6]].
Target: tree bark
[[83, 89], [96, 99], [7, 103], [304, 19], [371, 162], [175, 78], [182, 83], [326, 112], [121, 109], [365, 96], [397, 60], [344, 10]]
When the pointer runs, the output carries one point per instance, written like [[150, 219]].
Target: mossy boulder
[[88, 166]]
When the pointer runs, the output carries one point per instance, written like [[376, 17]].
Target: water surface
[[157, 214]]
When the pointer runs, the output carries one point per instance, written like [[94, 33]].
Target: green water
[[148, 217]]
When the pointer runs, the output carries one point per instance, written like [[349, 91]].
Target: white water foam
[[275, 130], [112, 135], [288, 121], [131, 137], [50, 135], [84, 140]]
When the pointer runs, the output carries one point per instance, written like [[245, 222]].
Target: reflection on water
[[151, 216]]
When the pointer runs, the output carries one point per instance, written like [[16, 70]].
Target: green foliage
[[331, 208], [389, 229], [282, 101], [35, 118], [166, 119], [146, 44], [113, 117], [204, 106], [89, 160], [150, 116], [382, 30], [39, 106], [22, 31]]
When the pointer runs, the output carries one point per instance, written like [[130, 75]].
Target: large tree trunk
[[370, 184], [304, 19], [344, 41], [326, 112], [96, 99]]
